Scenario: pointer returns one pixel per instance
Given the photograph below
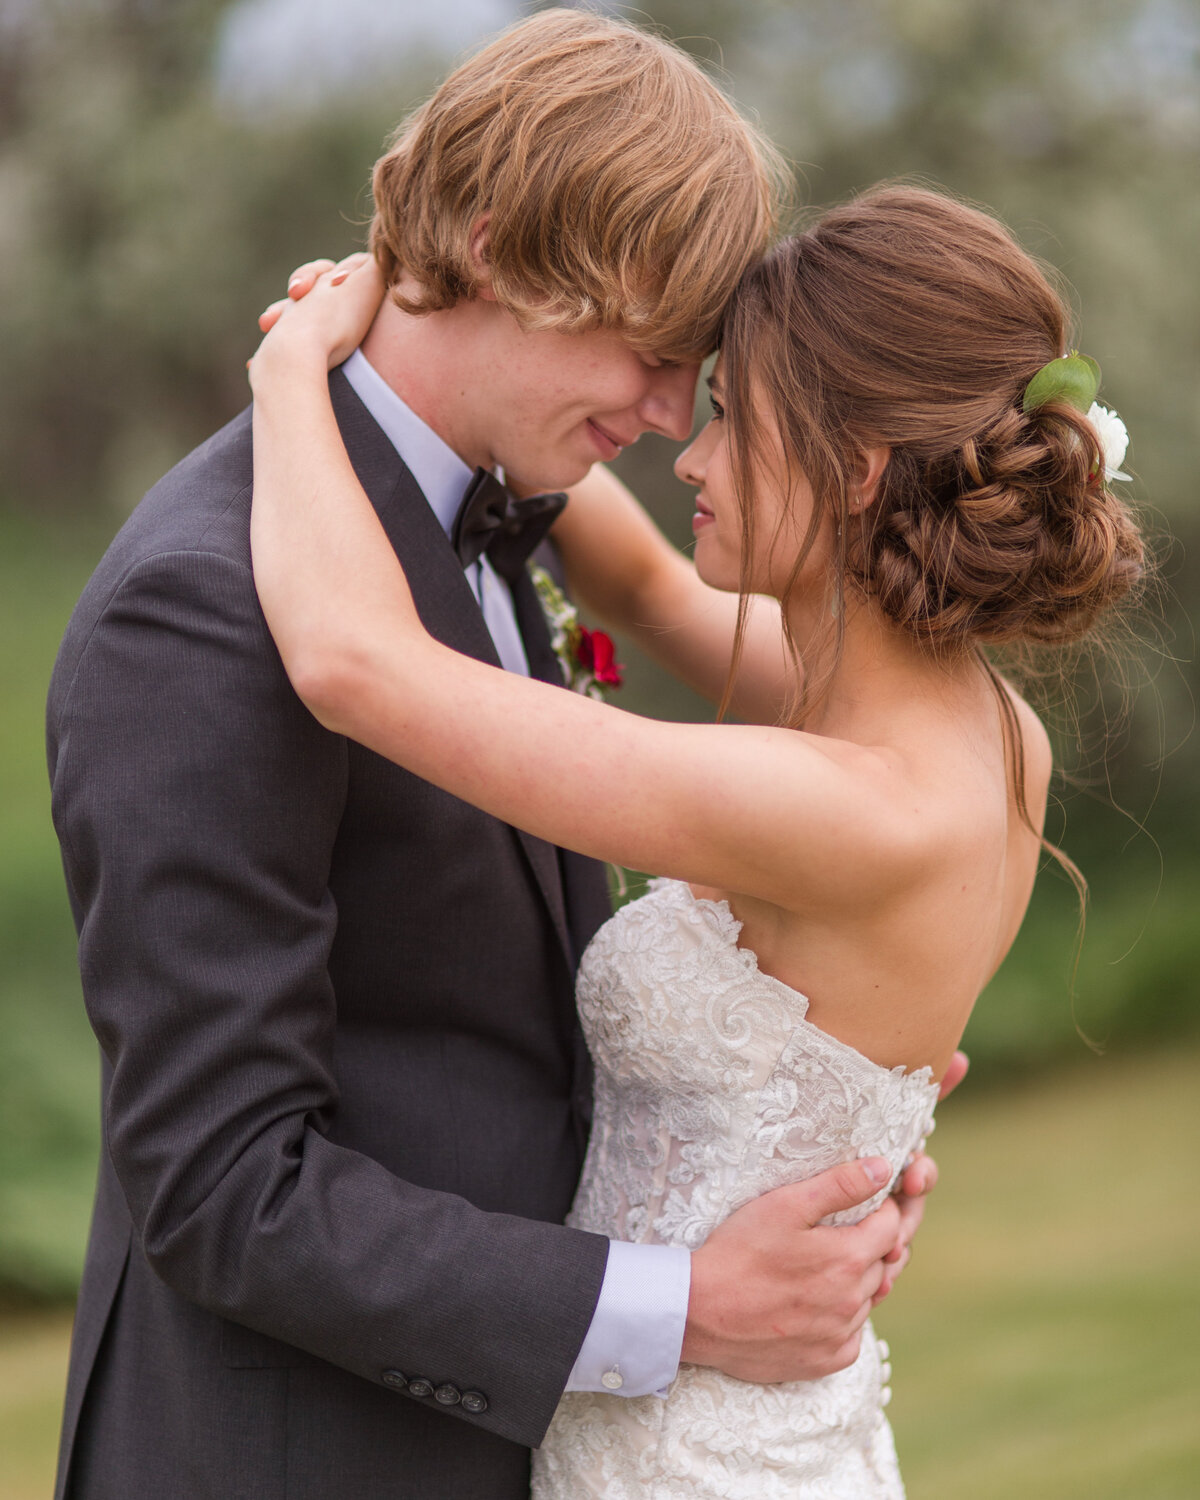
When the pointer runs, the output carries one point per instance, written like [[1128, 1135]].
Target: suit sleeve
[[197, 802]]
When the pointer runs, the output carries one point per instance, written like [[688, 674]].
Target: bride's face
[[782, 508]]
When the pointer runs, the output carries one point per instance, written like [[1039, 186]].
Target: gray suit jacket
[[344, 1089]]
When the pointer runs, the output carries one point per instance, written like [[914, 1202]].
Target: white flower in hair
[[1113, 437]]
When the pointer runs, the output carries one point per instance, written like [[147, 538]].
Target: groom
[[344, 1091]]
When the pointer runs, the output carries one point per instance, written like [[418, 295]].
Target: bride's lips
[[607, 444], [702, 518]]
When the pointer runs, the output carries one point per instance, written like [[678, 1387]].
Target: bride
[[905, 456]]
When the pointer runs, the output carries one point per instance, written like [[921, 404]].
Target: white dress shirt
[[632, 1346]]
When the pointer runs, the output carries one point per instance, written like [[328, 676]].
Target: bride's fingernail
[[878, 1170]]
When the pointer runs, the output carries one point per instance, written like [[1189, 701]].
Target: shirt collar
[[441, 474]]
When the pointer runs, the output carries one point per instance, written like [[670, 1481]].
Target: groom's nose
[[669, 404]]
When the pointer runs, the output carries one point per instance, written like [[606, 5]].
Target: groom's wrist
[[633, 1345]]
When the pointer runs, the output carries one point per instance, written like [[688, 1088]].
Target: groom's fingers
[[920, 1176], [912, 1211], [892, 1271], [842, 1187], [875, 1238]]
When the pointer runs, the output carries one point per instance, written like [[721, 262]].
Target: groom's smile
[[608, 445]]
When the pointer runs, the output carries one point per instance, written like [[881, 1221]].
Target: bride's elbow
[[324, 678]]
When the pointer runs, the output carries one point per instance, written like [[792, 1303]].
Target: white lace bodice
[[711, 1085], [711, 1088]]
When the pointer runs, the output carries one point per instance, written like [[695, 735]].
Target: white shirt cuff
[[632, 1347]]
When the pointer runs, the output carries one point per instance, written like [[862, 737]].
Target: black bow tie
[[493, 521]]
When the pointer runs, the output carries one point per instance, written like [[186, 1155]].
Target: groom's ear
[[480, 263]]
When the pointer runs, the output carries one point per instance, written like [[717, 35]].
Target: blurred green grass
[[1043, 1339], [33, 1372]]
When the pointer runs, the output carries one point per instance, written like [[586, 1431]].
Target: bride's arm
[[623, 570], [769, 812]]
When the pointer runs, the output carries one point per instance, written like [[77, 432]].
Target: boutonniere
[[587, 657]]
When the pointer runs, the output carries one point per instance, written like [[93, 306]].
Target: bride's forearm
[[623, 569], [327, 578]]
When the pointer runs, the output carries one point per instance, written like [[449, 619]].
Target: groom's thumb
[[844, 1186]]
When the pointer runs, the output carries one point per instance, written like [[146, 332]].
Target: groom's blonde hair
[[622, 190]]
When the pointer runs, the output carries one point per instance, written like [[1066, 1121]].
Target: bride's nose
[[692, 463]]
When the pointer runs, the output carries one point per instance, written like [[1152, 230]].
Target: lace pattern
[[711, 1088]]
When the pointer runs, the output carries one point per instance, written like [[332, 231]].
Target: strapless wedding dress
[[711, 1088]]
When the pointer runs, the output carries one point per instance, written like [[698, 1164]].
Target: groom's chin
[[554, 474]]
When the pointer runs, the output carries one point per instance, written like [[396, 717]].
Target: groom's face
[[552, 404]]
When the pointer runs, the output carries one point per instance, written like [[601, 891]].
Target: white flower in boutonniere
[[587, 657], [1113, 437]]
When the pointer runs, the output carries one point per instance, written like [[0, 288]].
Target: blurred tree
[[142, 226], [145, 218]]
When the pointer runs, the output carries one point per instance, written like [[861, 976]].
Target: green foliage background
[[146, 217]]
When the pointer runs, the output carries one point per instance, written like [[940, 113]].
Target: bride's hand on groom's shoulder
[[301, 282], [335, 320]]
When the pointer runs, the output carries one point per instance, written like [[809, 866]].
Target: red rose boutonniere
[[597, 654], [587, 657]]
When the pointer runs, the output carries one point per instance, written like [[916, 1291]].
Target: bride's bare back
[[896, 973]]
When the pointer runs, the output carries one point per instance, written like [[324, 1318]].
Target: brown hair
[[624, 191], [908, 319]]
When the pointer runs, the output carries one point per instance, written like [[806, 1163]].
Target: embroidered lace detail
[[711, 1088]]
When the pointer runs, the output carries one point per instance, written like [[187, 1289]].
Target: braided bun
[[1006, 541], [907, 319]]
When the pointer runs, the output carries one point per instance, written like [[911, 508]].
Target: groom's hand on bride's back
[[776, 1295]]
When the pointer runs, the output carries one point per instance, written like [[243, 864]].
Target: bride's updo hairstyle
[[905, 318]]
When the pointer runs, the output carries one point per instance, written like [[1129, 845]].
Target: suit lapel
[[443, 597], [543, 663], [584, 882]]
